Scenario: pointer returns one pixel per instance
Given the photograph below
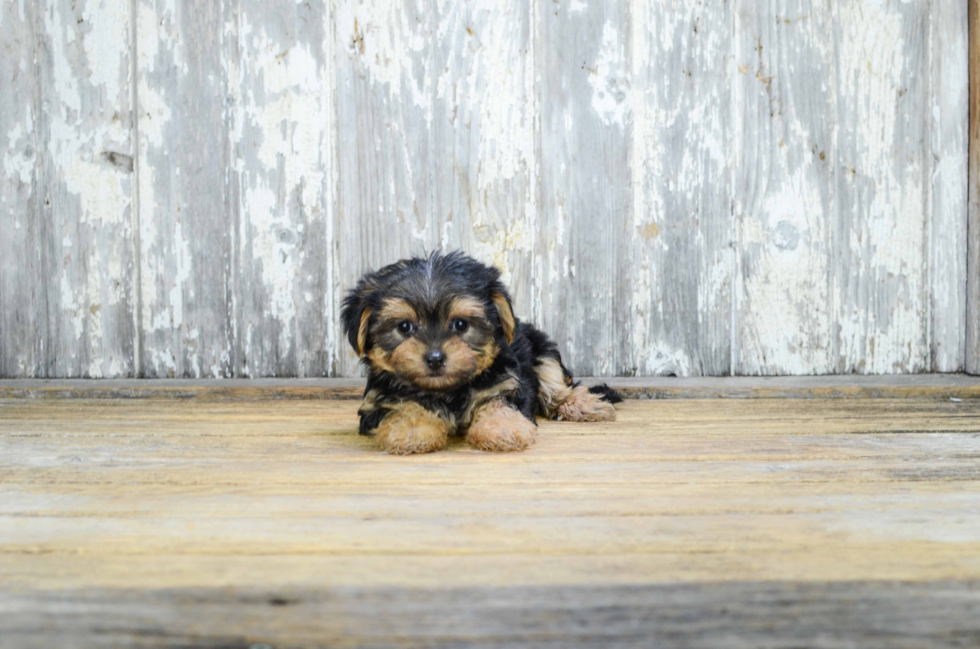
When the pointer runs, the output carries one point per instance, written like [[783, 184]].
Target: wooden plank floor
[[707, 523]]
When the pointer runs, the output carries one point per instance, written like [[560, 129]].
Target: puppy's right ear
[[502, 301], [356, 318]]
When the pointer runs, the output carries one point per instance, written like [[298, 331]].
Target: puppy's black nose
[[435, 359]]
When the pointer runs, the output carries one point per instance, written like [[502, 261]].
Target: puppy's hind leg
[[584, 405], [561, 398]]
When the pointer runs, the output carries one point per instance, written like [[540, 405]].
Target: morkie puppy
[[446, 356]]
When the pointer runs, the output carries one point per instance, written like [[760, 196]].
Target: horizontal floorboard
[[900, 386], [712, 522], [720, 615]]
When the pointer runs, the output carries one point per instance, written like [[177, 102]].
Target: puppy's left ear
[[502, 301], [356, 318]]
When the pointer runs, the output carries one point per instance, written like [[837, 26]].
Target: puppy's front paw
[[412, 429], [499, 427], [582, 405]]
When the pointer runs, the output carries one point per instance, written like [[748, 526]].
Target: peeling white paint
[[70, 304], [164, 358], [494, 246], [610, 79], [888, 244], [288, 121], [646, 163], [682, 263], [85, 154], [386, 36], [662, 359], [182, 257], [485, 91], [274, 255], [156, 114], [784, 315], [469, 78], [17, 164], [506, 139], [102, 191], [106, 43], [949, 186], [165, 260]]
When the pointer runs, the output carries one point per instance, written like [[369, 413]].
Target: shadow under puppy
[[446, 356]]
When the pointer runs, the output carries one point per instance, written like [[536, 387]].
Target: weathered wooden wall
[[688, 187], [973, 227]]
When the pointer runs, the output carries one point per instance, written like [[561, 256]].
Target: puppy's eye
[[406, 327], [460, 325]]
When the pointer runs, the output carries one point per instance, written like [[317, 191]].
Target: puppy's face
[[435, 346], [436, 323]]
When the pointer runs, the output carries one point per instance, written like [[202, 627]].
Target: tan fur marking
[[379, 359], [553, 388], [461, 362], [407, 362], [397, 309], [506, 316], [410, 428], [486, 357], [582, 405], [466, 307], [362, 332], [499, 427]]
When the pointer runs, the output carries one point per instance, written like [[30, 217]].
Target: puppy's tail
[[606, 393]]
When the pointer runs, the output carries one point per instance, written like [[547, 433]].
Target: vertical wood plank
[[184, 164], [483, 166], [384, 114], [973, 230], [682, 224], [86, 149], [585, 222], [784, 186], [22, 295], [949, 96], [884, 163], [283, 131]]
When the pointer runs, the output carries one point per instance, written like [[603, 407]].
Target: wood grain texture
[[690, 188], [883, 241], [234, 522], [949, 97], [85, 186], [284, 131], [584, 58], [21, 329], [973, 216], [682, 214], [714, 616], [784, 187], [185, 201]]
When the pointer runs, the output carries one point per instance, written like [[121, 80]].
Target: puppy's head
[[435, 322]]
